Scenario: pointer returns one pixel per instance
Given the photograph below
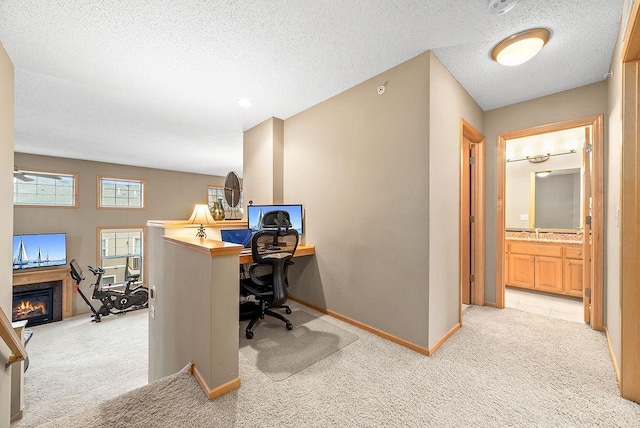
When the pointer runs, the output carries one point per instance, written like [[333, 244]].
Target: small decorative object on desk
[[217, 211]]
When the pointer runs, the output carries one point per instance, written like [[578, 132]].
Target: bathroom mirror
[[556, 199], [544, 181]]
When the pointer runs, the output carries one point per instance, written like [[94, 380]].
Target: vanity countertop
[[548, 237]]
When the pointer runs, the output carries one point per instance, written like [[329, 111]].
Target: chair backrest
[[272, 251], [277, 219], [271, 241]]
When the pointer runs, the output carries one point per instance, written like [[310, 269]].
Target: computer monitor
[[237, 236], [255, 213]]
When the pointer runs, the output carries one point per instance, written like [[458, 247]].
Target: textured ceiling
[[155, 83]]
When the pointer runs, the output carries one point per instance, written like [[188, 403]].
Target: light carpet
[[75, 364], [502, 368], [280, 353]]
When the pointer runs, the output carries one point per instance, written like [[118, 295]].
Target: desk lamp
[[201, 216]]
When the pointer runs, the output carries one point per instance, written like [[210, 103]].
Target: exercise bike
[[113, 301]]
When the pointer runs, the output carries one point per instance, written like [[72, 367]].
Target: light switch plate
[[524, 216]]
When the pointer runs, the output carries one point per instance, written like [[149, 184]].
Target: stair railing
[[8, 334]]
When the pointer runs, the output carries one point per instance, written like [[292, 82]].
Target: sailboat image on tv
[[39, 250], [21, 257]]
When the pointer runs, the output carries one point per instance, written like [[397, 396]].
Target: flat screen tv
[[255, 213], [39, 250]]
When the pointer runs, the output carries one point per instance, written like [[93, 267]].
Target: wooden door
[[466, 233], [471, 215], [587, 213]]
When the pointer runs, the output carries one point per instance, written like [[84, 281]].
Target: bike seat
[[133, 278]]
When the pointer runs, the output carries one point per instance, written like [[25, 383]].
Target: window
[[121, 253], [120, 193], [214, 193], [37, 188]]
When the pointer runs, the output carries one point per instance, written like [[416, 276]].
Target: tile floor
[[565, 308]]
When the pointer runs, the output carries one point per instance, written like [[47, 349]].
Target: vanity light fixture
[[539, 158], [521, 47]]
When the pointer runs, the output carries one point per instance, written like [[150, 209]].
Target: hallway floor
[[565, 308]]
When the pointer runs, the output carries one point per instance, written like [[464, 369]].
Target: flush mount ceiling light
[[244, 102], [521, 47], [542, 174]]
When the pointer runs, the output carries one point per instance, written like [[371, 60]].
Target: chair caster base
[[249, 334], [288, 311], [289, 326]]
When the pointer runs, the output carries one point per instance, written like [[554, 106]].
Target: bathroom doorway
[[549, 215]]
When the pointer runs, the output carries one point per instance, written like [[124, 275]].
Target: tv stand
[[49, 275]]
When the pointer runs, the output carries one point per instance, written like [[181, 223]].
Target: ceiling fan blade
[[20, 176], [27, 176], [35, 174]]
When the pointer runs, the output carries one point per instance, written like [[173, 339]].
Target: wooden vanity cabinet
[[521, 270], [572, 271], [548, 274], [548, 267]]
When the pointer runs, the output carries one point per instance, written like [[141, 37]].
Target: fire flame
[[25, 308]]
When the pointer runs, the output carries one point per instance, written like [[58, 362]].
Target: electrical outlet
[[524, 216]]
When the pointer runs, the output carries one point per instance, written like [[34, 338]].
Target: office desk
[[302, 250]]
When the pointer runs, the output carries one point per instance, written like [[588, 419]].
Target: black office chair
[[272, 249]]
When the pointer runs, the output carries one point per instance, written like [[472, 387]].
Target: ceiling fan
[[27, 176]]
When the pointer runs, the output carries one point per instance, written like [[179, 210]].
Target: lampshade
[[201, 216], [521, 47]]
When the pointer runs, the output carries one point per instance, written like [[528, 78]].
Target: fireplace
[[38, 303]]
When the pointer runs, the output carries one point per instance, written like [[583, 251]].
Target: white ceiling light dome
[[521, 47]]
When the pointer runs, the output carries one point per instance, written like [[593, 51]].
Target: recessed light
[[245, 102], [542, 174], [521, 47]]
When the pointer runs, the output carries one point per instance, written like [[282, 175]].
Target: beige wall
[[378, 207], [6, 213], [169, 196], [198, 326], [263, 157], [580, 102], [356, 154], [359, 164], [449, 102]]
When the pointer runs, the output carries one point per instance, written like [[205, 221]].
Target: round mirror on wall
[[232, 193]]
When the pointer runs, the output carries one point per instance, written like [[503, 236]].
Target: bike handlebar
[[96, 270]]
